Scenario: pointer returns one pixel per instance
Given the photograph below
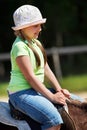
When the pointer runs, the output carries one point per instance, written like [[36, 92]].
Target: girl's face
[[31, 32]]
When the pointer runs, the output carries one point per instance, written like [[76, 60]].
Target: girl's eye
[[36, 26]]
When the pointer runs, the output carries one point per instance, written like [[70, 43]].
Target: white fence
[[55, 53]]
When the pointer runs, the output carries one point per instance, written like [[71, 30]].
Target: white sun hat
[[27, 15]]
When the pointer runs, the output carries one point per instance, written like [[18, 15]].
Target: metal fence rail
[[55, 52], [4, 56], [67, 50]]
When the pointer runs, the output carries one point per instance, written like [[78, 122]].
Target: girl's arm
[[27, 70], [53, 81], [51, 78]]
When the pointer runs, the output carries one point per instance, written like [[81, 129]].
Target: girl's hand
[[66, 93], [59, 98]]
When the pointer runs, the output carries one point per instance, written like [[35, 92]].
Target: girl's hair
[[18, 33]]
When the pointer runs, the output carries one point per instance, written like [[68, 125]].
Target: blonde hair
[[18, 33]]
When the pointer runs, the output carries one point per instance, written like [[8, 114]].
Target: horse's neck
[[78, 105], [78, 112]]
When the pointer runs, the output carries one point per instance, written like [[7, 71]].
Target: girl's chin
[[36, 37]]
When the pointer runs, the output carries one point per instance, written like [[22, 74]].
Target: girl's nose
[[40, 29]]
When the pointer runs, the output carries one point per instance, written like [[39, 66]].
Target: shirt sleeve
[[20, 49]]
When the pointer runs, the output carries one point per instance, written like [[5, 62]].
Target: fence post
[[57, 65]]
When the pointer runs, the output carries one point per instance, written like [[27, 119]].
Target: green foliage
[[3, 89], [75, 83]]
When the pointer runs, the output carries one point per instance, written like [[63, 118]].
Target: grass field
[[72, 83], [75, 83], [3, 87]]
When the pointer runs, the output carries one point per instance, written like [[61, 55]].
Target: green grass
[[75, 83], [3, 89], [72, 83]]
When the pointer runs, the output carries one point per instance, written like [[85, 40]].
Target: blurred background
[[64, 37]]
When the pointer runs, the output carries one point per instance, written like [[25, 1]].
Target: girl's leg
[[37, 107]]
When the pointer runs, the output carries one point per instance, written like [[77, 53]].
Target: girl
[[27, 91]]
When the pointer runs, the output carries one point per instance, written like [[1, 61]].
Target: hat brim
[[42, 21]]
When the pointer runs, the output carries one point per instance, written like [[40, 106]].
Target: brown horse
[[76, 119], [78, 114]]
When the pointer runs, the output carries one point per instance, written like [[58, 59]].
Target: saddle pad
[[5, 118]]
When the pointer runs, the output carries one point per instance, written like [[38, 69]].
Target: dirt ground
[[82, 94]]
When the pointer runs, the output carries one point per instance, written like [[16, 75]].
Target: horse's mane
[[78, 104]]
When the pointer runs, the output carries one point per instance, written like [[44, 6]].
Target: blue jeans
[[38, 107]]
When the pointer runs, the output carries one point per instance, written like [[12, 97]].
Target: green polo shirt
[[17, 79]]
